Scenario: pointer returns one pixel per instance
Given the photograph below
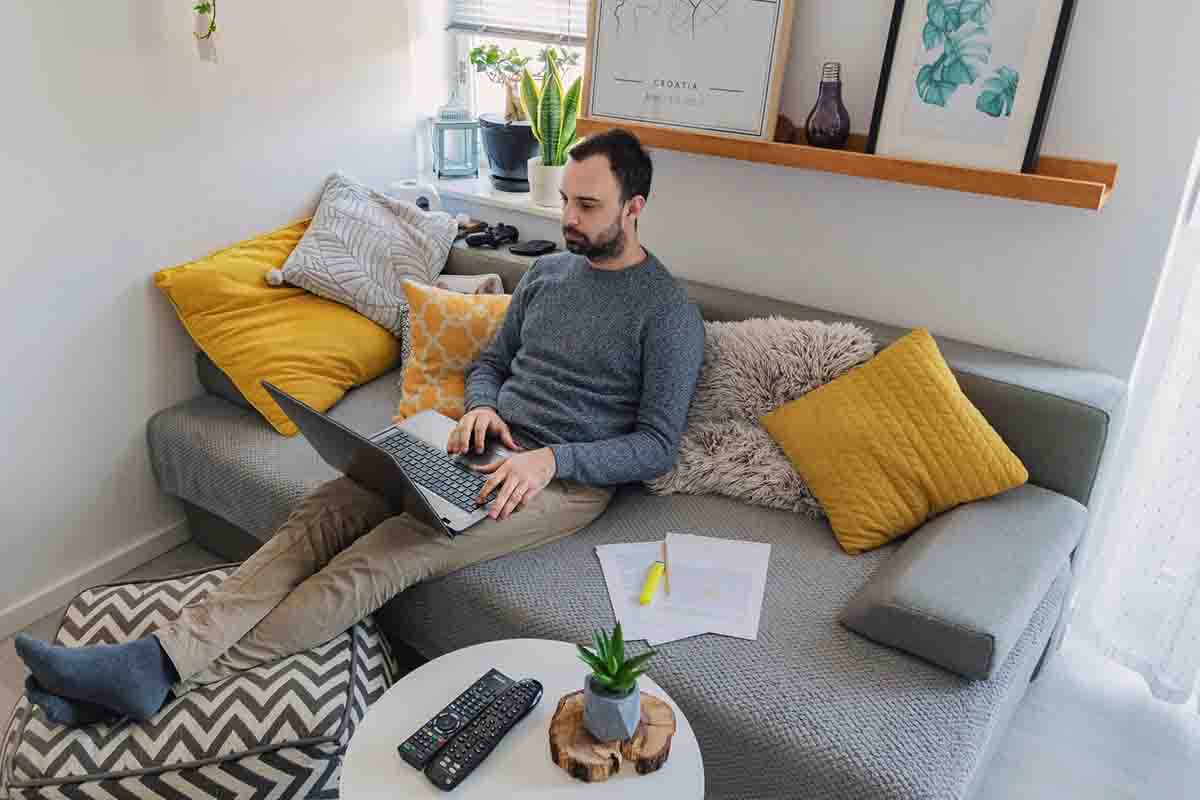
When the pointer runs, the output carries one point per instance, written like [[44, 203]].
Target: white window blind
[[553, 21]]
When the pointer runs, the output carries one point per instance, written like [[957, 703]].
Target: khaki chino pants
[[340, 556]]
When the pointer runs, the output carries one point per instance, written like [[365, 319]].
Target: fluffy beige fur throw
[[750, 368]]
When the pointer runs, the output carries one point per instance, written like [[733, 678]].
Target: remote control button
[[446, 722]]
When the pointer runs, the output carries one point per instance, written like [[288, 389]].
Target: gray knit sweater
[[599, 366]]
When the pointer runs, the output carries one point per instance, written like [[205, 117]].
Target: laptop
[[406, 463]]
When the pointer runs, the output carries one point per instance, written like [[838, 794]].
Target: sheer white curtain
[[1142, 602], [1140, 595]]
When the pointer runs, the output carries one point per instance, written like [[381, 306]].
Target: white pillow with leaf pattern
[[360, 246]]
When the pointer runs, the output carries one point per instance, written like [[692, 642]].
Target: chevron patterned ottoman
[[277, 731]]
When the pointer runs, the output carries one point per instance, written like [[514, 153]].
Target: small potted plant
[[508, 138], [552, 112], [612, 704]]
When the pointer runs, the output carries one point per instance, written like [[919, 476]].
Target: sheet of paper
[[716, 583], [625, 567]]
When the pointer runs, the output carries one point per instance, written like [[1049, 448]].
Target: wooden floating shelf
[[1058, 181]]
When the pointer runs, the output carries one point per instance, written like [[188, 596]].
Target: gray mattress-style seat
[[809, 709], [226, 460]]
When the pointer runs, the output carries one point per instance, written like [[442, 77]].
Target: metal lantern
[[456, 149], [455, 140]]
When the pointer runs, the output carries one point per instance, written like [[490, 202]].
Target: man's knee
[[343, 499], [333, 515], [343, 492]]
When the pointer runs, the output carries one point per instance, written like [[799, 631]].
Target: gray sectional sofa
[[809, 709]]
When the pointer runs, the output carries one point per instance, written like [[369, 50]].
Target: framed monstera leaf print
[[969, 82]]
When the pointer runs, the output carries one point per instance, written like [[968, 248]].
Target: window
[[562, 22], [527, 25], [488, 96]]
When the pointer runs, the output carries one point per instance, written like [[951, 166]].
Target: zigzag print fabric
[[276, 731]]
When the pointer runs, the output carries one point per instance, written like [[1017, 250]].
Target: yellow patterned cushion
[[314, 349], [892, 443], [448, 331]]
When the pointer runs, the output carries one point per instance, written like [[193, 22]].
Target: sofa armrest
[[962, 589]]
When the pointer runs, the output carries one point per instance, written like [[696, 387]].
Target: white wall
[[1058, 283], [1063, 284], [124, 153]]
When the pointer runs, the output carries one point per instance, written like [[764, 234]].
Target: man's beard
[[608, 244]]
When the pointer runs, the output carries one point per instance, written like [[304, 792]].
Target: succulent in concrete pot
[[612, 703]]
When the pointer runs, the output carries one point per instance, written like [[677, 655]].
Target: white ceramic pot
[[544, 183]]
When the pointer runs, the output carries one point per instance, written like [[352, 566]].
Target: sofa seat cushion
[[229, 462], [808, 709], [278, 730]]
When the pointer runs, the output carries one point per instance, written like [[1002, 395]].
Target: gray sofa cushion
[[216, 382], [1054, 417], [229, 462], [808, 708], [961, 590]]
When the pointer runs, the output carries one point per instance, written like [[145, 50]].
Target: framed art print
[[705, 66], [969, 82]]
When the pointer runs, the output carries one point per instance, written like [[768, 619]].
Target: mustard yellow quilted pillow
[[891, 444]]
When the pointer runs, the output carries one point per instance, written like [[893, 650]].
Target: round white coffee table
[[520, 766]]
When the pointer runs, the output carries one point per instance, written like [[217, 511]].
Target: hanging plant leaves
[[209, 8], [999, 94]]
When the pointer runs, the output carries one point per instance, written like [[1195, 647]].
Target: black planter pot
[[509, 146]]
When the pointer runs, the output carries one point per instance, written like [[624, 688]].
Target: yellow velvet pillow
[[448, 331], [892, 443], [313, 349]]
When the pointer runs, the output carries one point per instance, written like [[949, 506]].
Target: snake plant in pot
[[612, 704], [552, 112]]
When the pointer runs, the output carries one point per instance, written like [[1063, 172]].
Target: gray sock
[[63, 710], [132, 679]]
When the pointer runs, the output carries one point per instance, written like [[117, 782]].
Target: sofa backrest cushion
[[1055, 418]]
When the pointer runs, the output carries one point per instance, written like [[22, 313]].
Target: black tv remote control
[[472, 744], [420, 748]]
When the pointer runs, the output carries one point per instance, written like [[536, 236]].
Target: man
[[588, 380]]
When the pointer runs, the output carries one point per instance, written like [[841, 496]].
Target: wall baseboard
[[25, 612]]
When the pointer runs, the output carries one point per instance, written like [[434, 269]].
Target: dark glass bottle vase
[[828, 124]]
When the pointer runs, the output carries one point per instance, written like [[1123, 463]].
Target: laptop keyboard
[[435, 470]]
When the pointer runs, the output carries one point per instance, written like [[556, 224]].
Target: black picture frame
[[1045, 100]]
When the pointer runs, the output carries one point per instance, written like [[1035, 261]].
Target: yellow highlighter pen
[[653, 576]]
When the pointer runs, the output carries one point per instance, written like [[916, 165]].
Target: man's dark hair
[[629, 161]]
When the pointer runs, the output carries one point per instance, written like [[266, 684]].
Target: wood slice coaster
[[589, 760]]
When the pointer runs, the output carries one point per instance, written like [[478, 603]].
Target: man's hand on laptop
[[472, 431], [519, 479]]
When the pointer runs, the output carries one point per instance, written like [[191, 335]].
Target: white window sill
[[480, 191]]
